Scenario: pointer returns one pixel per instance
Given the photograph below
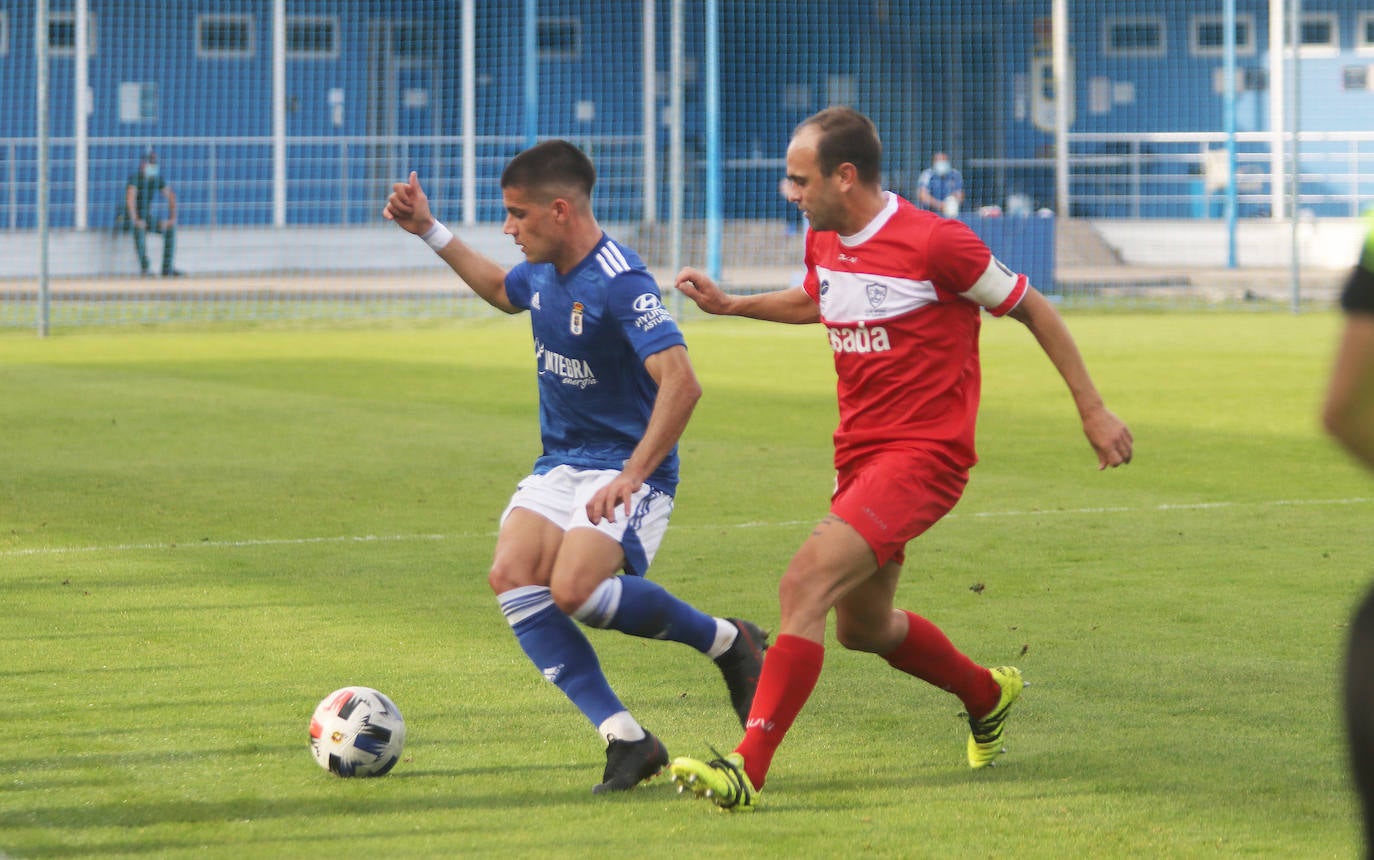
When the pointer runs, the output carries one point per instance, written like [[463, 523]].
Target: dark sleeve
[[1358, 297]]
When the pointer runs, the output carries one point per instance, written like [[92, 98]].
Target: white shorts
[[561, 495]]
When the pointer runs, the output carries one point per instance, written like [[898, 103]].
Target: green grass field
[[204, 532]]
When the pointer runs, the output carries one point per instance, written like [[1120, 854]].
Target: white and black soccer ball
[[357, 731]]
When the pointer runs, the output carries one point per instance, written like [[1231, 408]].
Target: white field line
[[221, 544], [236, 544], [1059, 512]]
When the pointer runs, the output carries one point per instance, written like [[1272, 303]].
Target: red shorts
[[893, 495]]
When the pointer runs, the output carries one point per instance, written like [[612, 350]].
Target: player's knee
[[503, 577], [802, 596], [794, 584], [567, 597], [570, 594]]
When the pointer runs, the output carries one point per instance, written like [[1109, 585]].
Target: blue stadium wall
[[908, 62]]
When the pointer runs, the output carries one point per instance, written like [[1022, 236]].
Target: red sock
[[928, 654], [790, 669]]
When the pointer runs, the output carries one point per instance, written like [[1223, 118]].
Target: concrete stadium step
[[1077, 243], [763, 243]]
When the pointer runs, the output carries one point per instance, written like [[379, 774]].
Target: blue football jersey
[[593, 328]]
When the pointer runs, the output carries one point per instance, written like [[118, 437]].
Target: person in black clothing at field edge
[[1348, 416], [146, 182]]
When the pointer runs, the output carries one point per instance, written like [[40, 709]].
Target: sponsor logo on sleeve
[[651, 312]]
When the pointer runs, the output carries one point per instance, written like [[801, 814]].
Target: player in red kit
[[901, 292]]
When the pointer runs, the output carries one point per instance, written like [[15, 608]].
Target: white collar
[[889, 209]]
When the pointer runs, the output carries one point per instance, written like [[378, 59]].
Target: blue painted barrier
[[1025, 243]]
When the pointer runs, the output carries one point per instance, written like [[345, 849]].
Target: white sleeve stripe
[[611, 261], [994, 286], [624, 263]]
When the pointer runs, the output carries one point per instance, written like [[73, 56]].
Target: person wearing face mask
[[139, 192], [941, 187]]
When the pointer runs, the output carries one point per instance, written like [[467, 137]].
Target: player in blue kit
[[616, 390]]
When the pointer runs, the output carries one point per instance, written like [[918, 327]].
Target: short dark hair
[[846, 135], [550, 165]]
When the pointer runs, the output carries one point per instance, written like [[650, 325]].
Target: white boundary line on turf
[[235, 544], [220, 544], [1056, 512], [1191, 506]]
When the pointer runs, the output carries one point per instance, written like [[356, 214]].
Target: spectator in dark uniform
[[143, 185]]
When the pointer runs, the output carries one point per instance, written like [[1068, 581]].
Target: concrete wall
[[1323, 244], [1329, 243], [240, 251], [205, 251]]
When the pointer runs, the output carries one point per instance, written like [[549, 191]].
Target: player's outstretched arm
[[408, 206], [678, 393], [1348, 414], [1109, 435], [791, 305]]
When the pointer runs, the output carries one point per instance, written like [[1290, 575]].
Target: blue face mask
[[150, 171]]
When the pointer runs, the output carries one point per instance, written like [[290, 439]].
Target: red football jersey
[[901, 301]]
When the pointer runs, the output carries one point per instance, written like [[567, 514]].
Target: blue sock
[[560, 651], [639, 607]]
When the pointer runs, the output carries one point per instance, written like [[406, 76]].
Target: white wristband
[[437, 236]]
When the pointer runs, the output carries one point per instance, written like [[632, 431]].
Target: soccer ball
[[357, 731]]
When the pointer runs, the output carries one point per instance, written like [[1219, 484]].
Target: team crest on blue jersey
[[534, 302], [877, 294], [575, 324]]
